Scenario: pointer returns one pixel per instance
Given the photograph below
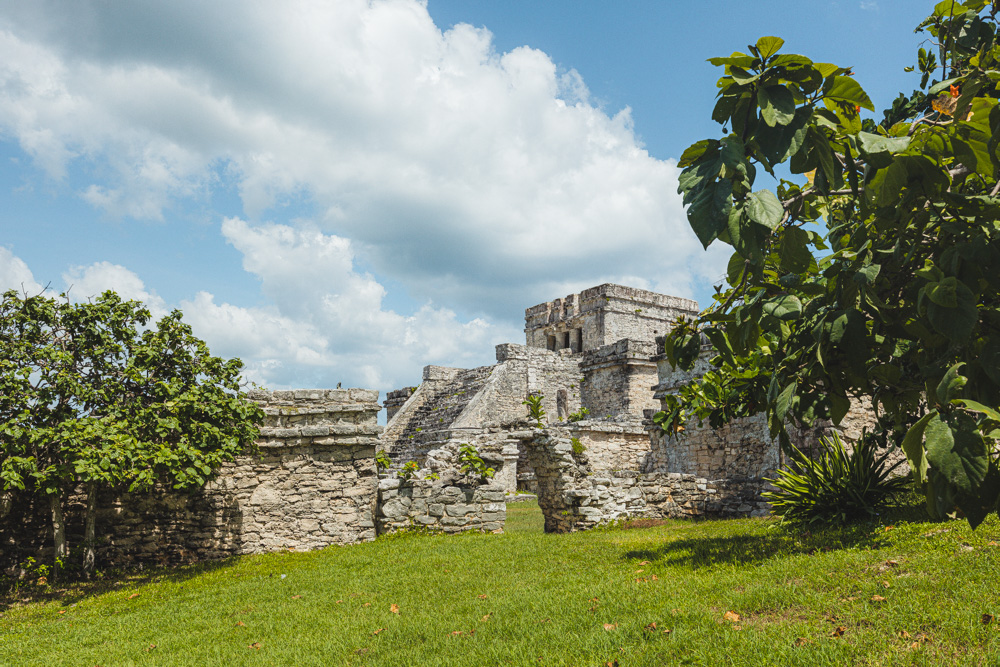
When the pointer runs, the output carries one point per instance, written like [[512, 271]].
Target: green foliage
[[89, 395], [382, 461], [875, 271], [409, 469], [535, 411], [472, 464], [836, 487], [579, 415], [578, 447]]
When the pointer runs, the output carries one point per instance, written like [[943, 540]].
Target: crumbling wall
[[612, 444], [313, 484], [433, 505], [602, 315], [573, 496], [618, 379]]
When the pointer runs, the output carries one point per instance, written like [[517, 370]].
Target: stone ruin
[[595, 359]]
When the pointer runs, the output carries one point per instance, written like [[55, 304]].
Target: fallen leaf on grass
[[62, 611], [878, 598], [731, 616], [296, 597], [367, 604], [151, 647], [987, 619], [545, 620], [903, 634], [638, 571], [361, 651], [255, 646], [650, 628], [378, 631], [339, 601], [655, 578], [483, 596], [801, 641], [839, 632], [645, 562], [241, 624], [457, 633], [394, 608], [892, 563], [610, 626], [133, 596], [487, 616], [613, 663], [885, 584], [991, 543]]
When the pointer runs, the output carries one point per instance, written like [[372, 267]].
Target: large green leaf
[[764, 208], [958, 322], [786, 307], [878, 150], [795, 255], [956, 451], [768, 46], [846, 89], [950, 386], [777, 106]]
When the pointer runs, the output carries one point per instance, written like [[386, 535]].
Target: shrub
[[410, 469], [382, 460], [472, 464], [578, 447], [837, 487], [579, 415], [535, 411]]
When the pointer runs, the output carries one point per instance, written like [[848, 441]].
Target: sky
[[344, 191]]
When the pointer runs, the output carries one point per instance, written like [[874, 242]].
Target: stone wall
[[313, 484], [573, 496], [433, 505], [612, 444], [618, 378], [742, 448], [602, 315]]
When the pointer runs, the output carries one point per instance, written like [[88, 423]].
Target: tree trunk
[[58, 534], [88, 531]]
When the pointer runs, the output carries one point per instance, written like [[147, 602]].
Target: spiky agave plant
[[837, 486]]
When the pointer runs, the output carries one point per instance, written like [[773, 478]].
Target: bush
[[535, 411], [837, 487], [472, 464], [579, 415]]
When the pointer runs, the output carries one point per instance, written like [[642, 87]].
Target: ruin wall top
[[603, 315]]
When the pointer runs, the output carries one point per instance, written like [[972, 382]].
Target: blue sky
[[345, 191]]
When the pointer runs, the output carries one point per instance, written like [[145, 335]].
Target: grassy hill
[[743, 592]]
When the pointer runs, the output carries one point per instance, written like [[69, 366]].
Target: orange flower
[[857, 108], [953, 90]]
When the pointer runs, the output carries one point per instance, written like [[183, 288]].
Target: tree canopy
[[872, 269], [91, 397]]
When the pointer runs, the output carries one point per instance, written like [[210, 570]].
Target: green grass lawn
[[915, 593]]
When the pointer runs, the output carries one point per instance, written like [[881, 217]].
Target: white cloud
[[483, 182], [88, 282], [15, 274]]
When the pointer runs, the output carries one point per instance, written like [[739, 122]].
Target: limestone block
[[460, 510], [436, 509]]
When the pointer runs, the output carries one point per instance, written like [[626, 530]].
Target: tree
[[874, 269], [90, 397]]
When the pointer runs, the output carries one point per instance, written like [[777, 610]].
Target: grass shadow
[[15, 592], [775, 541]]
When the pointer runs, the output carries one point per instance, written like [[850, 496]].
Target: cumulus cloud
[[482, 182], [88, 282], [15, 274]]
